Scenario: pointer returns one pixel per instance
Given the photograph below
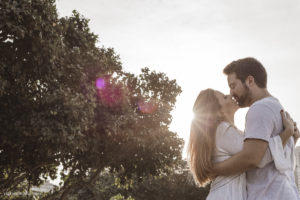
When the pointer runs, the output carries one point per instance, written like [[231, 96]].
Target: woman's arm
[[296, 134], [289, 123], [289, 127]]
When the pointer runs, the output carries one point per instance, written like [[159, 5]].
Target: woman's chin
[[236, 107]]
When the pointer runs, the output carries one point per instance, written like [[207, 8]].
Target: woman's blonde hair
[[207, 116]]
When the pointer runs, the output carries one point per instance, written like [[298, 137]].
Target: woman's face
[[227, 103]]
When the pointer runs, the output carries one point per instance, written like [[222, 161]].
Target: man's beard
[[244, 99]]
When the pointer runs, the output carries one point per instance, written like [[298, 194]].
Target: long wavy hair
[[207, 116]]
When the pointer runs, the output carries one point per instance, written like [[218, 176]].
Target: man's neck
[[258, 94]]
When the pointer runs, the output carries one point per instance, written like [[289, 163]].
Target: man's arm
[[250, 157], [252, 153], [284, 136]]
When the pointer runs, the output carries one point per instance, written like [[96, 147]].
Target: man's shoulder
[[265, 108], [270, 103]]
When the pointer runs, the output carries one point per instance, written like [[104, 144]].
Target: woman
[[214, 138]]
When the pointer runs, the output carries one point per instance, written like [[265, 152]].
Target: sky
[[193, 40]]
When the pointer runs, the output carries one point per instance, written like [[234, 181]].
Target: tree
[[176, 185], [63, 100]]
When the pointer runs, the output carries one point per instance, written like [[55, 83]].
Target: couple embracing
[[254, 164]]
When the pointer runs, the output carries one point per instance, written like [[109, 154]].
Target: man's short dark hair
[[248, 66]]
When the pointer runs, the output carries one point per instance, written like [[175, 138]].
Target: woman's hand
[[296, 132], [290, 127], [288, 123]]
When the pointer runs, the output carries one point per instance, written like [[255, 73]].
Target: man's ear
[[250, 81]]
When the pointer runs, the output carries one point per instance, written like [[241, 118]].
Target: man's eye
[[225, 96]]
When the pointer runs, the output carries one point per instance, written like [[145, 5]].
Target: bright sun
[[183, 116]]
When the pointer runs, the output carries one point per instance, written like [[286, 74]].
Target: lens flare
[[100, 83], [110, 93], [147, 107]]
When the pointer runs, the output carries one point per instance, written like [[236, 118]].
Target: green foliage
[[176, 185], [120, 197], [51, 113]]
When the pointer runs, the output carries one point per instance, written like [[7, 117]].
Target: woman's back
[[229, 141]]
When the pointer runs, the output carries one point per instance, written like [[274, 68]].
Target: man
[[247, 79]]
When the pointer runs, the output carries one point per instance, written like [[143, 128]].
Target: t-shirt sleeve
[[259, 123], [231, 141], [267, 157]]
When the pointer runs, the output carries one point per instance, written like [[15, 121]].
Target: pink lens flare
[[100, 83], [112, 94], [147, 107]]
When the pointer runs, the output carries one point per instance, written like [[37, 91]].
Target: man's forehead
[[231, 78]]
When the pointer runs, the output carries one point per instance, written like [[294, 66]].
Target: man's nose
[[231, 92]]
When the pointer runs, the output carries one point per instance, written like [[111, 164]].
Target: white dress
[[229, 141]]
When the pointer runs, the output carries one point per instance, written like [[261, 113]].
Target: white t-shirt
[[229, 141], [263, 121]]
